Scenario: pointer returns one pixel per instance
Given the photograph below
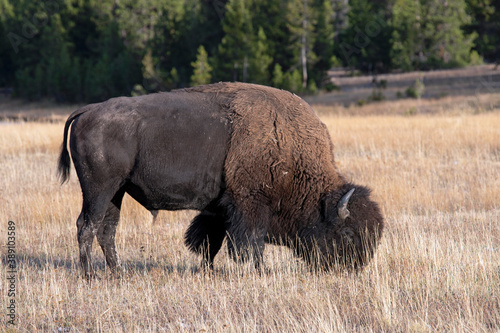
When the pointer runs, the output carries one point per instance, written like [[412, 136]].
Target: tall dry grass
[[423, 164], [437, 268]]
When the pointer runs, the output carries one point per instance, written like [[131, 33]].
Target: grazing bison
[[255, 161]]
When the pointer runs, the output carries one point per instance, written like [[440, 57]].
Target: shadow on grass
[[72, 266], [39, 262]]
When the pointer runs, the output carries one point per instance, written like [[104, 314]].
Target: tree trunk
[[245, 68], [303, 51], [235, 72]]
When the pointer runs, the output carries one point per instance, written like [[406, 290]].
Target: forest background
[[75, 51]]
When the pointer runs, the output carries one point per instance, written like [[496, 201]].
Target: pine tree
[[407, 41], [235, 47], [271, 16], [202, 70], [428, 34], [365, 43], [174, 45], [260, 59], [323, 44], [485, 22], [447, 45], [55, 60], [300, 21], [340, 19], [278, 79]]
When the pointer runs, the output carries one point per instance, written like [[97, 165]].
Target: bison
[[256, 161]]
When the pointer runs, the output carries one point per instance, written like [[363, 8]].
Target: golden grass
[[423, 163], [437, 268]]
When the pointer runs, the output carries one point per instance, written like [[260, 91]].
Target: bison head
[[348, 230]]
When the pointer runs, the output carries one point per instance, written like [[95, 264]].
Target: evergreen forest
[[74, 51]]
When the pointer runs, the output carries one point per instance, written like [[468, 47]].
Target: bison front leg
[[247, 245], [247, 226]]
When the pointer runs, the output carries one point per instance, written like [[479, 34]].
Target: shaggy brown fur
[[280, 173]]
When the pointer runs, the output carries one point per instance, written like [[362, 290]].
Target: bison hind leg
[[99, 217], [107, 231], [205, 235]]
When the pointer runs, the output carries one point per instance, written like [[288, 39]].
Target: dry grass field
[[435, 174]]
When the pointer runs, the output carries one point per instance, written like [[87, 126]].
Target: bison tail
[[64, 158], [64, 163]]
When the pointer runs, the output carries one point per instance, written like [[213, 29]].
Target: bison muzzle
[[257, 163]]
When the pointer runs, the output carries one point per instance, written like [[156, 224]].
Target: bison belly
[[166, 150], [180, 161]]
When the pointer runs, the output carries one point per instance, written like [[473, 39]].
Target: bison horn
[[342, 205]]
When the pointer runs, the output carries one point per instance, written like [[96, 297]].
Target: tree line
[[91, 50]]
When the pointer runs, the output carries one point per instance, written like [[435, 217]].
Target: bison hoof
[[90, 276], [117, 273], [207, 266]]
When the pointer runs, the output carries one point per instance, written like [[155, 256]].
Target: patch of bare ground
[[42, 111], [449, 105], [469, 81]]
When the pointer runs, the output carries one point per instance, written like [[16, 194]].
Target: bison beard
[[255, 161], [338, 242], [206, 234]]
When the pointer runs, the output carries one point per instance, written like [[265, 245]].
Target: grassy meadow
[[435, 174]]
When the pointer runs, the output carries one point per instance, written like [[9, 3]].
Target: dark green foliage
[[485, 22], [91, 50], [236, 45], [365, 43], [6, 65], [323, 44], [330, 86], [416, 90], [69, 51], [377, 94], [202, 69], [428, 34]]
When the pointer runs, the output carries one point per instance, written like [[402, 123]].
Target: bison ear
[[328, 209]]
